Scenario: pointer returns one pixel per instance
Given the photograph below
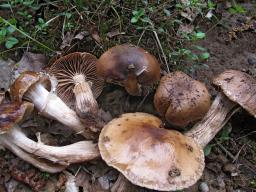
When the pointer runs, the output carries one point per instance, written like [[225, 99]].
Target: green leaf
[[200, 35], [5, 5], [28, 3], [236, 9], [134, 20], [3, 32], [10, 29], [134, 12], [205, 55], [10, 42], [167, 12], [200, 48], [207, 150]]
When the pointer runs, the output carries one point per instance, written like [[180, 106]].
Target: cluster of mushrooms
[[136, 144]]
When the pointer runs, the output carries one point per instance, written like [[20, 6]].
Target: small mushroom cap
[[128, 61], [27, 79], [66, 68], [13, 113], [181, 99], [150, 156], [239, 87]]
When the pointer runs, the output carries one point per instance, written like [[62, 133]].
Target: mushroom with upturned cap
[[38, 88], [13, 113], [181, 99], [130, 66], [150, 156], [78, 82], [236, 89]]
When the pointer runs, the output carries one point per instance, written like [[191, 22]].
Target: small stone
[[252, 60], [203, 187]]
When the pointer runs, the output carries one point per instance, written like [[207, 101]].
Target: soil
[[231, 165]]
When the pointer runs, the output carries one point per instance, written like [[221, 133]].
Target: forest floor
[[202, 38]]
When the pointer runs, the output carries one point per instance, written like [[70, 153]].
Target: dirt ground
[[231, 164]]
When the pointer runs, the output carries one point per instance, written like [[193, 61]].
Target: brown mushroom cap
[[180, 99], [239, 87], [67, 67], [123, 62], [150, 156], [13, 113], [27, 79]]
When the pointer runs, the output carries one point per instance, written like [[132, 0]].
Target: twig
[[238, 153], [159, 44], [141, 37], [225, 150]]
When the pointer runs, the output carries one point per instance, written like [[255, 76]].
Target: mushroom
[[78, 82], [150, 156], [42, 164], [236, 89], [180, 99], [12, 114], [39, 89], [130, 66], [166, 160]]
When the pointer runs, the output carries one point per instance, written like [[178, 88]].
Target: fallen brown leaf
[[31, 62]]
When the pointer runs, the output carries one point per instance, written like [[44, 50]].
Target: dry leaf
[[114, 33], [185, 29], [66, 41], [70, 183], [81, 35], [95, 34], [31, 62], [6, 73]]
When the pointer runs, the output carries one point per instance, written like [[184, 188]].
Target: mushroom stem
[[52, 106], [86, 104], [131, 85], [73, 153], [219, 113], [41, 164]]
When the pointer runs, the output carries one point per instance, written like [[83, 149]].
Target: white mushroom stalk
[[50, 105], [74, 153], [42, 164], [219, 113], [86, 104]]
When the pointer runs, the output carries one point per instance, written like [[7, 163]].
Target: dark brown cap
[[27, 79], [150, 156], [239, 87], [13, 113], [129, 66], [71, 66], [181, 99]]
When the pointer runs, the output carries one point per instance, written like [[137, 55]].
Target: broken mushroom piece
[[78, 82], [129, 66], [181, 99], [38, 88], [236, 88], [150, 156], [42, 164], [12, 114]]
